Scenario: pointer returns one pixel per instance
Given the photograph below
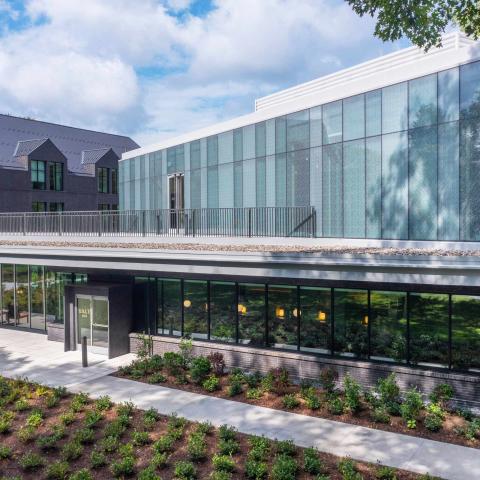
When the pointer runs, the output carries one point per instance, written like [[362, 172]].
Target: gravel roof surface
[[248, 248]]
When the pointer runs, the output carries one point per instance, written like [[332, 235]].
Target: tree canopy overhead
[[421, 21]]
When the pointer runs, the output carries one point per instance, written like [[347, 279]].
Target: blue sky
[[156, 68]]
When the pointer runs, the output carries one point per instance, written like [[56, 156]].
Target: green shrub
[[290, 401], [427, 476], [82, 474], [267, 383], [200, 369], [223, 462], [21, 405], [123, 467], [5, 452], [30, 461], [174, 363], [281, 380], [26, 434], [67, 418], [84, 436], [58, 470], [155, 363], [109, 444], [97, 459], [186, 350], [227, 433], [256, 470], [104, 403], [313, 402], [284, 468], [5, 424], [386, 473], [78, 402], [140, 438], [228, 446], [412, 405], [254, 393], [352, 392], [47, 442], [92, 418], [380, 414], [197, 446], [285, 447], [72, 450], [471, 430], [164, 444], [204, 427], [211, 383], [465, 413], [51, 400], [388, 389], [126, 450], [259, 448], [176, 426], [335, 406], [328, 379], [185, 470], [148, 474], [433, 422], [442, 394], [150, 418], [156, 378], [125, 409], [159, 460], [348, 469], [115, 428], [220, 475], [311, 461], [235, 388], [35, 419], [254, 380], [436, 409]]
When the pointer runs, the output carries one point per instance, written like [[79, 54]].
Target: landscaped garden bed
[[49, 433], [383, 407]]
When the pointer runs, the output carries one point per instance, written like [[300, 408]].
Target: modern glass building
[[399, 159]]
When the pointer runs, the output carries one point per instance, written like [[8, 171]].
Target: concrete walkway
[[370, 445], [25, 354]]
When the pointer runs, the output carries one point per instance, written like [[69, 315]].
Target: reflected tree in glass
[[251, 313], [172, 307], [8, 287], [36, 297], [351, 322], [282, 317], [315, 324], [195, 309], [223, 311], [21, 287], [428, 329], [388, 328]]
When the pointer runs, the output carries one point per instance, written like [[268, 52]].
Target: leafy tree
[[421, 21]]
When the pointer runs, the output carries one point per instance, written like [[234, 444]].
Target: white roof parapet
[[386, 70]]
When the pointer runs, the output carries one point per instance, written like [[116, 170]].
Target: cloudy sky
[[156, 68]]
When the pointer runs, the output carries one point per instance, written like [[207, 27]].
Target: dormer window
[[103, 183], [55, 173], [38, 176]]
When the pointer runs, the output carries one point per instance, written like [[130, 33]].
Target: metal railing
[[233, 222]]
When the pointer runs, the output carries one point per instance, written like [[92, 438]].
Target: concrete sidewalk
[[401, 451]]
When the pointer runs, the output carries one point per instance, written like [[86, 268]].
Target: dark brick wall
[[467, 387]]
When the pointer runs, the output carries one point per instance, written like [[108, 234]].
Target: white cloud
[[134, 67]]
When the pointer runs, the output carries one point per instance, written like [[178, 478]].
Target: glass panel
[[238, 184], [422, 172], [281, 180], [373, 187], [395, 186], [203, 152], [212, 150], [428, 329], [422, 106], [261, 182], [100, 323], [171, 160], [270, 137], [84, 319], [260, 139], [298, 178], [315, 322], [373, 113], [54, 291], [237, 145], [195, 189], [351, 322], [248, 142], [316, 185], [195, 309], [225, 147], [448, 95], [448, 182], [37, 315], [395, 108], [354, 188], [470, 90], [332, 203], [270, 181], [316, 126], [249, 183], [298, 131], [212, 189], [466, 332], [280, 135], [388, 327], [180, 158], [470, 179], [282, 317], [172, 307], [21, 287], [251, 314], [332, 122], [225, 186], [223, 311], [354, 117], [195, 161], [8, 289]]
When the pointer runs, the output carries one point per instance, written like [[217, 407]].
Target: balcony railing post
[[60, 224], [99, 223], [249, 222], [193, 222], [144, 216], [24, 227]]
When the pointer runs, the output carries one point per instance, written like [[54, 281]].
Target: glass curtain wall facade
[[438, 330], [31, 296], [400, 162]]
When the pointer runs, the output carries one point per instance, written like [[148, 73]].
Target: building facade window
[[39, 206], [103, 180], [55, 174], [114, 181], [103, 207], [55, 207], [38, 174]]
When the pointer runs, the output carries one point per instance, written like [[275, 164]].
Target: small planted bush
[[109, 444], [281, 380], [348, 470], [164, 444], [380, 414], [104, 403], [185, 471], [235, 388], [285, 447], [156, 378], [58, 470], [217, 362], [256, 470], [223, 463], [259, 448], [26, 434], [227, 433], [92, 418], [72, 450], [411, 406], [140, 438], [159, 460], [148, 474], [388, 393], [313, 402], [353, 394], [35, 419], [67, 418], [442, 394], [200, 369], [97, 459], [284, 468], [386, 473], [30, 461], [204, 427], [311, 461], [84, 436], [123, 467], [82, 474], [79, 401], [174, 363], [328, 379], [5, 452], [197, 446], [211, 384], [433, 422], [336, 406], [254, 393], [150, 418], [290, 401], [21, 405], [228, 446]]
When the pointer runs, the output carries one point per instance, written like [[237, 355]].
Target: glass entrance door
[[176, 199], [92, 322]]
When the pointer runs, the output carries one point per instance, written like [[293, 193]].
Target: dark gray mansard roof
[[21, 136]]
